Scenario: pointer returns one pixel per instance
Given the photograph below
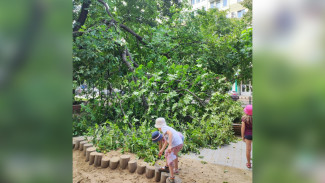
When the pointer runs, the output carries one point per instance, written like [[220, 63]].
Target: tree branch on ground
[[130, 57], [197, 98], [126, 62]]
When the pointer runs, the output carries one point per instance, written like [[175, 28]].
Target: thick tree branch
[[197, 98], [122, 25], [130, 57], [107, 9], [126, 62], [133, 33], [82, 16]]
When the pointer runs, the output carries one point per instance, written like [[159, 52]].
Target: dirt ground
[[191, 171]]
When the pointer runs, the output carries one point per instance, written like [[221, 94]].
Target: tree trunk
[[82, 16], [98, 159], [164, 176], [86, 146], [92, 157], [81, 145], [88, 151], [76, 147], [113, 164], [124, 161], [132, 166], [177, 180], [105, 162], [157, 175], [141, 168], [150, 172]]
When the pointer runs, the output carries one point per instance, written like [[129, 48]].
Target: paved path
[[233, 155]]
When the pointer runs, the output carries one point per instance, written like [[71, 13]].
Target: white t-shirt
[[177, 140]]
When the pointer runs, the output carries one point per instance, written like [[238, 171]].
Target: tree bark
[[150, 172], [124, 161], [107, 9], [130, 57], [92, 157], [141, 168], [164, 176], [77, 143], [113, 164], [105, 162], [81, 145], [82, 16], [88, 151], [197, 98], [132, 166], [126, 62], [133, 33], [86, 146], [157, 175], [98, 159]]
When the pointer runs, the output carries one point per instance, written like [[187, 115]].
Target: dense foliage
[[166, 61]]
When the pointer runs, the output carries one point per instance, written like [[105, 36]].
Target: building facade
[[235, 9]]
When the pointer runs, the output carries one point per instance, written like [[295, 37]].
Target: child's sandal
[[164, 169], [171, 179], [249, 165]]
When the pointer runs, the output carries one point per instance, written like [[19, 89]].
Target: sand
[[191, 171]]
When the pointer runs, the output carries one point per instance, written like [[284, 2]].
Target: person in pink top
[[247, 132]]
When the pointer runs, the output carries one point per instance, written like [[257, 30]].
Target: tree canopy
[[166, 60]]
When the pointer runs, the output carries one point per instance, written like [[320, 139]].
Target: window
[[197, 1], [218, 5], [225, 2], [211, 5], [193, 1], [232, 14], [240, 13]]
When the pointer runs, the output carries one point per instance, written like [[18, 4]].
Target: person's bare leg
[[171, 170], [248, 150], [176, 163]]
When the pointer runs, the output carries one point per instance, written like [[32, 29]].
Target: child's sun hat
[[160, 122], [249, 110], [156, 136]]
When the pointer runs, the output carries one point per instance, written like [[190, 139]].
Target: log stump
[[157, 175], [86, 146], [76, 147], [81, 144], [76, 138], [177, 180], [150, 172], [88, 151], [114, 163], [164, 176], [124, 161], [92, 157], [132, 166], [105, 162], [73, 144], [98, 159], [141, 168]]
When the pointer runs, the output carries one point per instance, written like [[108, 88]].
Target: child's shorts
[[248, 137], [172, 155]]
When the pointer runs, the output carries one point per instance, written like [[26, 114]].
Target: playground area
[[192, 170]]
